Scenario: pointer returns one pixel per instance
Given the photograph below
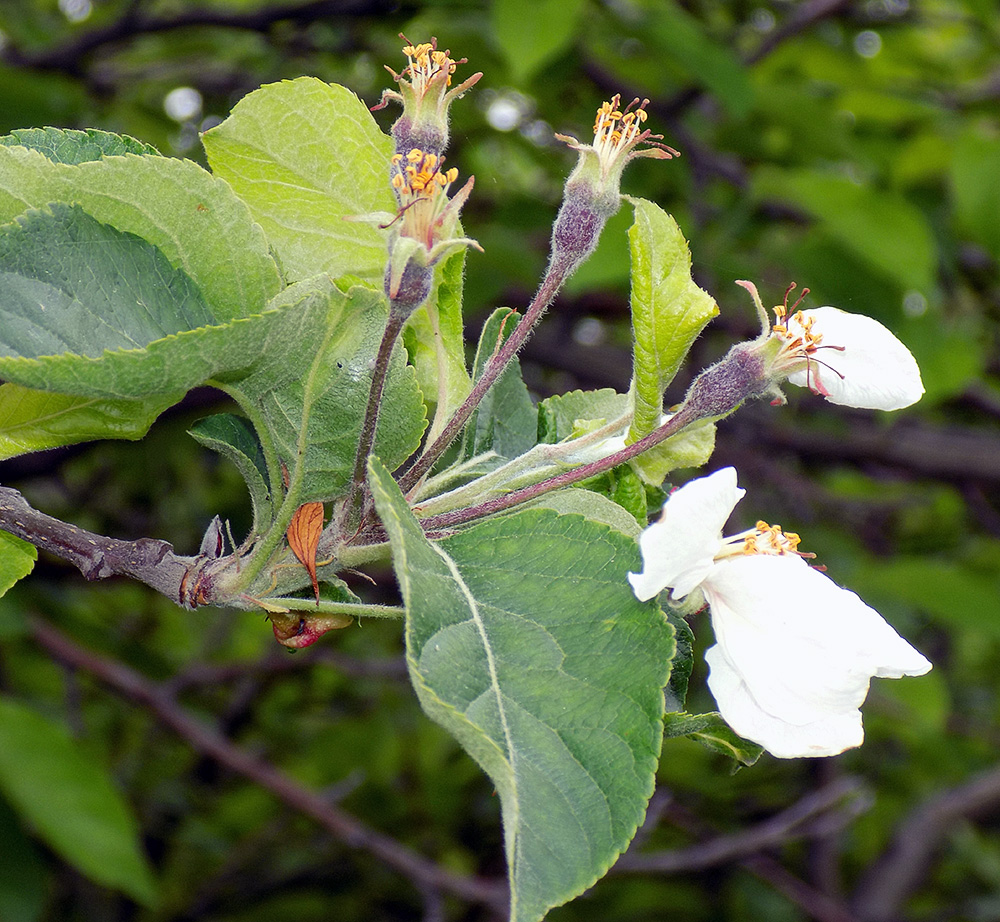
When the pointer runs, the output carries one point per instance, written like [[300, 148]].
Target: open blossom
[[849, 359], [794, 652]]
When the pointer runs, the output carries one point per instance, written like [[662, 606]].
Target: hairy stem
[[675, 424], [550, 286], [354, 503]]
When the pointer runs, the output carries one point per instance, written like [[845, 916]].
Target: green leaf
[[683, 664], [591, 505], [70, 283], [33, 420], [506, 420], [712, 731], [303, 155], [681, 39], [576, 412], [17, 559], [974, 169], [62, 145], [68, 799], [193, 218], [525, 642], [314, 413], [24, 880], [553, 23], [881, 227], [629, 492], [668, 309], [435, 340], [234, 438]]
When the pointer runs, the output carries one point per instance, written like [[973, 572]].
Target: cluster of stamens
[[804, 343], [426, 62], [419, 175], [770, 539], [617, 129]]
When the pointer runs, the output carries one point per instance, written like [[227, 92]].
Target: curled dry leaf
[[303, 538]]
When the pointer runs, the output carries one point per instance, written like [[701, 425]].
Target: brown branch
[[838, 802], [137, 689], [149, 560], [68, 57], [902, 868]]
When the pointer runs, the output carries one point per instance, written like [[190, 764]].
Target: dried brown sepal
[[303, 538]]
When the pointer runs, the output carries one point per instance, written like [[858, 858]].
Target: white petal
[[805, 648], [825, 737], [868, 367], [678, 549]]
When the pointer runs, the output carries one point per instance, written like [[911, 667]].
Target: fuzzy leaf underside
[[192, 217]]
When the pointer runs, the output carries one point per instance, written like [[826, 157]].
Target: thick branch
[[812, 815], [901, 870], [137, 689], [148, 560]]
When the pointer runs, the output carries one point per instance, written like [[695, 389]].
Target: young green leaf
[[564, 415], [234, 438], [64, 145], [68, 799], [33, 420], [434, 339], [712, 731], [303, 155], [193, 218], [525, 642], [506, 420], [668, 309]]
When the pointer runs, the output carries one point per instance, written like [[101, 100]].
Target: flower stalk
[[590, 197]]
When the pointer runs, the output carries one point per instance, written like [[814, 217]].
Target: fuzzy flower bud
[[425, 93], [592, 190]]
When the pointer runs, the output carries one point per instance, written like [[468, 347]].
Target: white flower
[[794, 652], [850, 359]]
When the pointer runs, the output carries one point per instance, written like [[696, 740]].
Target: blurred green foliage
[[855, 152]]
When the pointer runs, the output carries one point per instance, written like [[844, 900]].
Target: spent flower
[[794, 652], [425, 92], [424, 228], [592, 192]]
